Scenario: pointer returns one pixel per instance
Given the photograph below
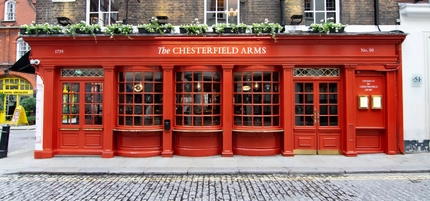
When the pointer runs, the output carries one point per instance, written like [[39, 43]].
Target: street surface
[[215, 187]]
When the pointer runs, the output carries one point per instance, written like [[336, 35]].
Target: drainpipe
[[282, 2], [377, 14], [126, 12]]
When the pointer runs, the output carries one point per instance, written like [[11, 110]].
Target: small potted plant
[[266, 27], [195, 28], [327, 26], [119, 28], [82, 28], [240, 28]]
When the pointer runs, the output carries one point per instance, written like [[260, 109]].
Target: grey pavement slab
[[21, 160]]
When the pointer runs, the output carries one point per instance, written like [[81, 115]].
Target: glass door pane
[[304, 104], [328, 104]]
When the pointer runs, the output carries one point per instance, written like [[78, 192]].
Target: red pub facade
[[171, 95]]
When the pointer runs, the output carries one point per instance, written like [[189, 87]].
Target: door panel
[[316, 117], [82, 126]]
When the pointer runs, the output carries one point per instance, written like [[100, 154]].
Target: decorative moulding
[[415, 10]]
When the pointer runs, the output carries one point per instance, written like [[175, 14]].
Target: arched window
[[10, 10], [22, 47]]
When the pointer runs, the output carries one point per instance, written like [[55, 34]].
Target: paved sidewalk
[[22, 161]]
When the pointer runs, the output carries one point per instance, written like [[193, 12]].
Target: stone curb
[[203, 171]]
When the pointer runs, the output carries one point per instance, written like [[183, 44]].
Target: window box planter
[[36, 29], [195, 28], [153, 27]]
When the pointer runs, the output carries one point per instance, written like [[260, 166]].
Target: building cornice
[[415, 10]]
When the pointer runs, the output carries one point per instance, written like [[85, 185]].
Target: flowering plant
[[219, 28], [83, 28], [327, 26], [195, 28], [266, 27], [153, 26], [241, 26], [119, 28], [46, 28]]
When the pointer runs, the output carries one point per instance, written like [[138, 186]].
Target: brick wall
[[353, 12], [362, 12]]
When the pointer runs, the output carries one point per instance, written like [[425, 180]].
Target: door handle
[[318, 118], [315, 116]]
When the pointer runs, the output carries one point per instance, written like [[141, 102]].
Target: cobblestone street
[[215, 187]]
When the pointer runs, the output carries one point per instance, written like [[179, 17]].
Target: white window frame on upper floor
[[22, 47], [10, 10], [225, 14], [320, 12], [100, 13]]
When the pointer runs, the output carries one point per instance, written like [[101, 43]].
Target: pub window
[[102, 12], [256, 99], [317, 10], [198, 99], [140, 99], [221, 11]]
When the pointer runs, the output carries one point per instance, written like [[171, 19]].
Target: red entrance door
[[81, 122], [317, 115]]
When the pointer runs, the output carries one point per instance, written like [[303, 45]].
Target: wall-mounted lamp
[[296, 19], [162, 20], [63, 21], [256, 86], [198, 86], [6, 71]]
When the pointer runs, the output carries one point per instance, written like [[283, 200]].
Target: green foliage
[[326, 26], [28, 104], [219, 28], [34, 28], [236, 27], [153, 26], [119, 28], [31, 120], [83, 28], [195, 28], [266, 27]]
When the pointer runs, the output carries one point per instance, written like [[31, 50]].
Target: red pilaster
[[168, 109], [391, 113], [288, 102], [109, 111], [227, 110], [49, 128], [349, 148]]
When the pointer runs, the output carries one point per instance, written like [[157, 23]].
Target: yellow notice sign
[[19, 116]]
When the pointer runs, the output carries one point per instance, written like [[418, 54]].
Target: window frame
[[249, 77], [197, 107], [315, 20], [224, 12], [10, 9], [22, 48], [140, 102], [99, 14]]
